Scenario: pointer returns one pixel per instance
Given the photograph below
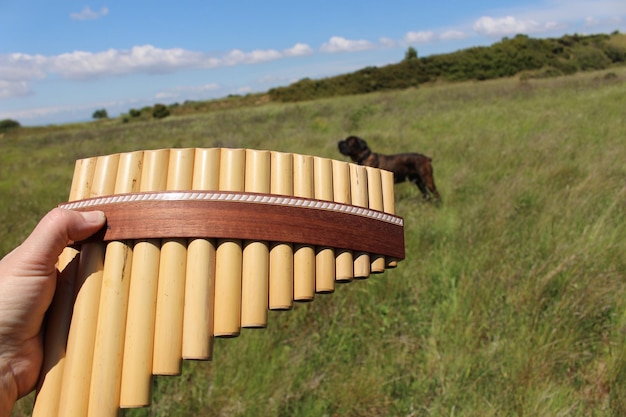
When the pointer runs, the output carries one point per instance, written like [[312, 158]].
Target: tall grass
[[510, 301]]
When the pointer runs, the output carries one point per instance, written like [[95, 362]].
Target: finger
[[56, 229]]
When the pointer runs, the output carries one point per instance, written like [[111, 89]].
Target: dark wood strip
[[147, 219]]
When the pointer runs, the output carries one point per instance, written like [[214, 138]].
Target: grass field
[[511, 300]]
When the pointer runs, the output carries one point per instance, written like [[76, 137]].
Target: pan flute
[[199, 243]]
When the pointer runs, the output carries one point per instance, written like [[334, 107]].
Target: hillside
[[521, 55], [511, 301]]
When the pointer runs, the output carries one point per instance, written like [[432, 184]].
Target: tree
[[410, 54], [100, 114], [8, 124]]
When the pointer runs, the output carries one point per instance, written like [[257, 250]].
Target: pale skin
[[28, 278]]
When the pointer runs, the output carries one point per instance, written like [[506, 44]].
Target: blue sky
[[61, 60]]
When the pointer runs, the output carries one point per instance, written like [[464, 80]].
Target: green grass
[[510, 301]]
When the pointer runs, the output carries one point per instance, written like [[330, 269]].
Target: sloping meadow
[[510, 300]]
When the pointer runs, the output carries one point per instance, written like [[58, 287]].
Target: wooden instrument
[[199, 243]]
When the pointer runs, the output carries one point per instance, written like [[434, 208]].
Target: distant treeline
[[528, 57]]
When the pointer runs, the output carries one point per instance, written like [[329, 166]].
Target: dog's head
[[354, 147]]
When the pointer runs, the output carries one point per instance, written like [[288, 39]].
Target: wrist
[[8, 390]]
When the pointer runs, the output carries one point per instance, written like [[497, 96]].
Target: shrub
[[615, 53], [8, 124], [100, 114], [159, 111], [134, 113], [592, 59]]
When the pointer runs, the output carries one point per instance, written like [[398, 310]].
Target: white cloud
[[419, 37], [22, 67], [387, 42], [565, 11], [299, 49], [453, 35], [611, 22], [10, 89], [166, 95], [510, 25], [237, 57], [88, 14], [17, 71], [146, 58], [187, 91], [244, 90], [338, 44]]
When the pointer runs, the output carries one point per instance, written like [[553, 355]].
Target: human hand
[[28, 277]]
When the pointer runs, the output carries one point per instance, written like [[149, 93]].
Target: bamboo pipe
[[359, 197], [200, 274], [344, 264], [324, 256], [168, 328], [136, 388], [375, 202], [281, 254], [229, 253], [106, 377], [303, 255], [389, 203], [109, 345], [255, 269]]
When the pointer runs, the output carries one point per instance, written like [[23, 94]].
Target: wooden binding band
[[244, 215]]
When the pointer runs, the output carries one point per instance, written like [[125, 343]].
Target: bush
[[160, 111], [615, 53], [592, 59], [8, 124], [100, 114], [134, 113]]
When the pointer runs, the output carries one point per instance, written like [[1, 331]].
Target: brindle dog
[[413, 167]]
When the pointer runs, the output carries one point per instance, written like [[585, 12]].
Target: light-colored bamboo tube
[[375, 196], [60, 311], [106, 376], [227, 319], [255, 269], [168, 328], [324, 256], [200, 274], [303, 255], [344, 264], [136, 386], [281, 254], [74, 399], [389, 203], [359, 197]]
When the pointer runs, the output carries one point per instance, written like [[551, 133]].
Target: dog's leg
[[417, 180], [429, 181], [433, 190]]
